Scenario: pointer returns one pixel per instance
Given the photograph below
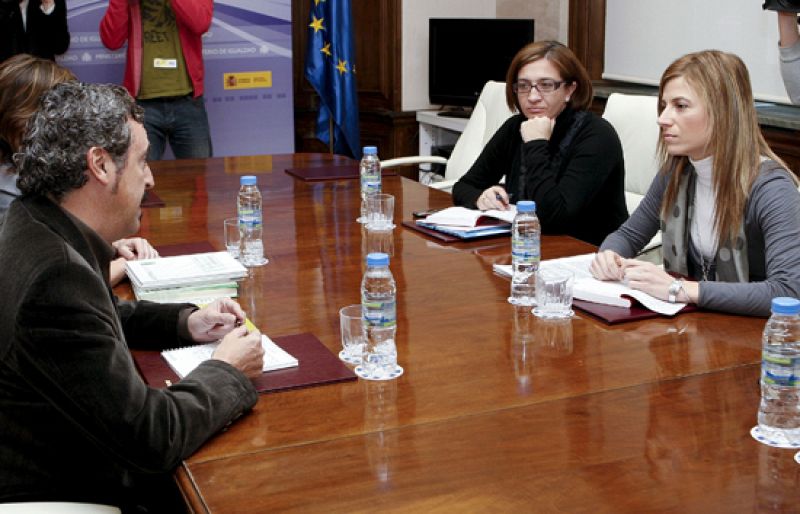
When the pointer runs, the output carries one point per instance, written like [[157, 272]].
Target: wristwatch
[[674, 288]]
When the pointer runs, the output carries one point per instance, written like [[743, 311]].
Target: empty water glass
[[380, 211], [232, 236], [354, 337], [554, 293]]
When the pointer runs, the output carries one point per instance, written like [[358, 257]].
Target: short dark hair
[[72, 118], [566, 63]]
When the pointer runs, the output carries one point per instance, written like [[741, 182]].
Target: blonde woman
[[727, 205]]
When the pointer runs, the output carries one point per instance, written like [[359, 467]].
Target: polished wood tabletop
[[497, 411]]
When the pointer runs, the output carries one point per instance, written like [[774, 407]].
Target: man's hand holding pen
[[224, 319]]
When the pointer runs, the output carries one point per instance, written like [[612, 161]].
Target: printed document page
[[201, 268]]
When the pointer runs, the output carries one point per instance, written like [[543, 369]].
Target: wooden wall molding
[[378, 75]]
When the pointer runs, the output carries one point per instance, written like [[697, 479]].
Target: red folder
[[317, 365], [612, 314], [347, 171]]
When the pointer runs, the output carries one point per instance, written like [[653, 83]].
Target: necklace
[[705, 265]]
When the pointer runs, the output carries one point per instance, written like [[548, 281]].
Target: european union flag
[[330, 68]]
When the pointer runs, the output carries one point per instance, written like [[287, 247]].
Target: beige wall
[[550, 15], [551, 23]]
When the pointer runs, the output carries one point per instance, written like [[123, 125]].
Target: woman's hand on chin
[[540, 127]]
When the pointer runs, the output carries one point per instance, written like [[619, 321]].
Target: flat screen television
[[464, 53]]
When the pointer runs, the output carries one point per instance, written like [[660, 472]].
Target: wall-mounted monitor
[[466, 52]]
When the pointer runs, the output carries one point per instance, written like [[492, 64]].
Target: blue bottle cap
[[370, 150], [526, 206], [248, 180], [377, 259], [786, 305]]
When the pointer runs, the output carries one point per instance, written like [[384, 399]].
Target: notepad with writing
[[184, 360]]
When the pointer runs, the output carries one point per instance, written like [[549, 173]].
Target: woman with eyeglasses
[[728, 207], [554, 151]]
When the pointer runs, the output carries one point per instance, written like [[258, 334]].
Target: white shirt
[[702, 232]]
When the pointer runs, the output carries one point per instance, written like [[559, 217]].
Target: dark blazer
[[78, 423], [47, 35]]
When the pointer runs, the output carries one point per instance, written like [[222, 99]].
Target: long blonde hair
[[736, 143]]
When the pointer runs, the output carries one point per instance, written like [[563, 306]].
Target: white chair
[[635, 118], [56, 508], [489, 114]]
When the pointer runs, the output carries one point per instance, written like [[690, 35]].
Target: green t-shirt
[[163, 68]]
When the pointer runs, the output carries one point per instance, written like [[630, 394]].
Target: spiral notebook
[[184, 360]]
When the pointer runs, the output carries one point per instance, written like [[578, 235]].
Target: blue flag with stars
[[330, 68]]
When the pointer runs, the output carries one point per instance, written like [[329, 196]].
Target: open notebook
[[466, 223], [589, 289], [184, 360]]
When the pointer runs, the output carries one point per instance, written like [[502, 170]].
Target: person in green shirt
[[164, 69]]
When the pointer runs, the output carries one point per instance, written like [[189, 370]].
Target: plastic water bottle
[[251, 250], [370, 173], [779, 412], [526, 234], [379, 315]]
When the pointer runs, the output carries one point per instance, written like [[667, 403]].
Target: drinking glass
[[232, 236], [380, 211], [554, 293], [353, 335]]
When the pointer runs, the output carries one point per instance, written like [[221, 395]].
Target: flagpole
[[330, 131]]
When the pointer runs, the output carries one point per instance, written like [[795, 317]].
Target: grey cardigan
[[772, 228]]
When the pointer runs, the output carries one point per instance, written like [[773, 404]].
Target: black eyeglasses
[[545, 86]]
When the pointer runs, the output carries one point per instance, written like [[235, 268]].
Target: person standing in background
[[789, 47], [164, 69], [36, 27]]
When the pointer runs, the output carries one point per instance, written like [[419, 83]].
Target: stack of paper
[[198, 278], [468, 223]]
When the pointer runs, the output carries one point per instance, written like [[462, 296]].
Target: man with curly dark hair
[[79, 424]]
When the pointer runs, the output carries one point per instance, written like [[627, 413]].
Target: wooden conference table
[[496, 411]]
